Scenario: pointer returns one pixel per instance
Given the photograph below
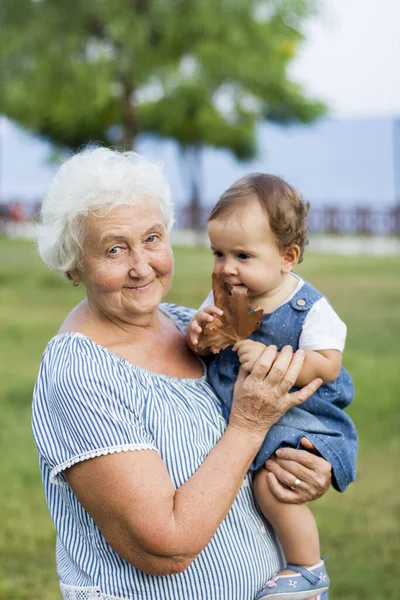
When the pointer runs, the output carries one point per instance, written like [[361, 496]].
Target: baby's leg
[[294, 525]]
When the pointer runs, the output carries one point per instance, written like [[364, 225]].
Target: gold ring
[[296, 483]]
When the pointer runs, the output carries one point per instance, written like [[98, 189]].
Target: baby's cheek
[[217, 269]]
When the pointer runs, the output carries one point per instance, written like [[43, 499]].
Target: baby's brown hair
[[284, 206]]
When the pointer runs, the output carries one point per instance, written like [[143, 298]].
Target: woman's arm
[[153, 526], [160, 529]]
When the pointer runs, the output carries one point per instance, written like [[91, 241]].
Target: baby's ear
[[290, 258]]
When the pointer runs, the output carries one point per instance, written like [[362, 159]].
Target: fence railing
[[327, 218], [357, 220]]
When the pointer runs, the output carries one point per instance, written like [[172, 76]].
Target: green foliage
[[359, 529], [199, 72]]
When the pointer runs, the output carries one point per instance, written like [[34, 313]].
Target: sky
[[351, 57], [350, 60]]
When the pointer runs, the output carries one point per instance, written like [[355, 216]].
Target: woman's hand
[[298, 476], [261, 397]]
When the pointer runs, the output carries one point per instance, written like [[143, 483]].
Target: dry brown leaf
[[237, 322]]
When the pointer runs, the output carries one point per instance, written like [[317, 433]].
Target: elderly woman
[[146, 483]]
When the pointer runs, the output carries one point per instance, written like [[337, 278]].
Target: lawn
[[359, 530]]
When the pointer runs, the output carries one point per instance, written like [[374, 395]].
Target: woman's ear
[[74, 276], [290, 258]]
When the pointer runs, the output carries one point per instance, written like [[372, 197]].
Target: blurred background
[[306, 89]]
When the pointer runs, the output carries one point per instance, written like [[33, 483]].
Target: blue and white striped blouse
[[89, 401]]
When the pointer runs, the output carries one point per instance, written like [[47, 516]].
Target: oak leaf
[[237, 322]]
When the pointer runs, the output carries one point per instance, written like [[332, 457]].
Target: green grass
[[359, 530]]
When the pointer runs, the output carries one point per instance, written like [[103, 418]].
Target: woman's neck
[[88, 319], [154, 344]]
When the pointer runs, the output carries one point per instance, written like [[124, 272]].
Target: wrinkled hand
[[199, 321], [288, 465], [248, 352], [261, 397]]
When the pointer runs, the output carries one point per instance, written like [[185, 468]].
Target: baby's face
[[245, 251]]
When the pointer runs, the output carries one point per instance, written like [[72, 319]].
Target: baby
[[257, 232]]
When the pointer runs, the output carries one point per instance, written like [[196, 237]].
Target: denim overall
[[320, 418]]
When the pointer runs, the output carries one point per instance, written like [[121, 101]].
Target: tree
[[201, 72]]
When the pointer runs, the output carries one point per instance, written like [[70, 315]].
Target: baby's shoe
[[309, 583]]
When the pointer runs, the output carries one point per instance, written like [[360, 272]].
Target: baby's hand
[[249, 352], [199, 321]]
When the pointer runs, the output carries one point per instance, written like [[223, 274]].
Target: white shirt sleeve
[[209, 301], [323, 329]]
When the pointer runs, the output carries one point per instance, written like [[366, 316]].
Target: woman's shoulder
[[74, 366], [181, 315], [74, 352], [69, 343]]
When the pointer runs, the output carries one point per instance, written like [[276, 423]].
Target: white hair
[[94, 179]]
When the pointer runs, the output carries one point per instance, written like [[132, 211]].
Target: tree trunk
[[130, 127], [192, 166]]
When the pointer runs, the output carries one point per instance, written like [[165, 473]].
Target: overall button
[[301, 302]]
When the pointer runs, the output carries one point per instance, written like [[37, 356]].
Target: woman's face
[[127, 263]]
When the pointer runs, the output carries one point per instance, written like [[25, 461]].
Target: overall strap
[[305, 298]]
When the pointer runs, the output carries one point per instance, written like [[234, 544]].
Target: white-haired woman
[[146, 484]]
